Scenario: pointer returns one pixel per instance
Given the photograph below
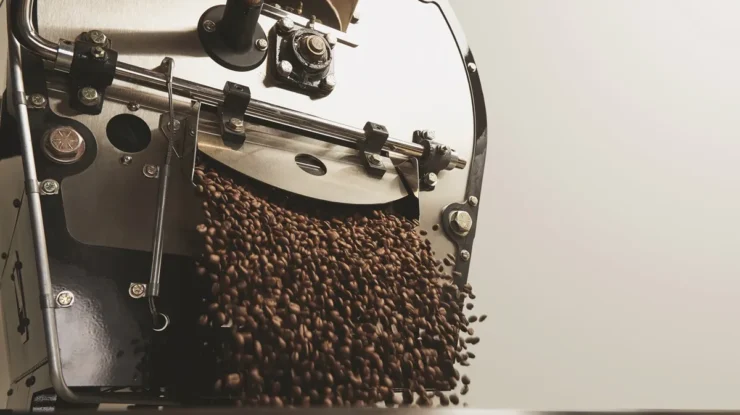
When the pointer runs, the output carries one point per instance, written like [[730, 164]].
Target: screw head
[[285, 68], [461, 222], [63, 145], [97, 37], [261, 44], [473, 201], [151, 171], [331, 39], [88, 96], [209, 26], [38, 100], [472, 67], [137, 290], [236, 124], [328, 83], [132, 106], [65, 299], [374, 159], [430, 179], [465, 255], [285, 25], [126, 160], [50, 186], [97, 52]]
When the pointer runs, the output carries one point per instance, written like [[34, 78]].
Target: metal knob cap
[[63, 145]]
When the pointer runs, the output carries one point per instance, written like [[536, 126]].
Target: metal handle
[[258, 110]]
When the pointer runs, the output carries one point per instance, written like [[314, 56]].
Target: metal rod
[[18, 96], [164, 176], [257, 110]]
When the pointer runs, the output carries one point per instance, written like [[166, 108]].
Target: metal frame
[[259, 111]]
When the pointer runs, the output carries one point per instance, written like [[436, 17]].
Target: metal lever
[[164, 175]]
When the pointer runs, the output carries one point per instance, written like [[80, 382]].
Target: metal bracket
[[314, 73], [435, 158], [91, 72], [370, 147], [190, 141], [231, 113]]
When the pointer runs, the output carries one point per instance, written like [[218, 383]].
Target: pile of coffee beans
[[326, 308]]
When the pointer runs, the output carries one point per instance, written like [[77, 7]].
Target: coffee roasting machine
[[109, 105]]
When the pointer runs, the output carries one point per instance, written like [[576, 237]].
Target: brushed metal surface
[[112, 204]]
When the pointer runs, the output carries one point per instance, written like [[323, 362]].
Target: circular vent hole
[[310, 164], [128, 133]]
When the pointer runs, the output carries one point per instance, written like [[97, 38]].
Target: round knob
[[63, 145]]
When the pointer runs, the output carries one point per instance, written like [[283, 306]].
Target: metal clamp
[[92, 70], [375, 137], [231, 113]]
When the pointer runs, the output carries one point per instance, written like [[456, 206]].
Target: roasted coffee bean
[[472, 319], [483, 318], [464, 390], [454, 399], [469, 306], [465, 380], [325, 308]]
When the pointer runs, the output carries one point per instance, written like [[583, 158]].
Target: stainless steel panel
[[112, 204], [406, 73]]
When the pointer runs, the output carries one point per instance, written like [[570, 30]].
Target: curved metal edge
[[478, 159]]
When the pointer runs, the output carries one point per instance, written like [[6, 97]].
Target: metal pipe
[[18, 95], [257, 110]]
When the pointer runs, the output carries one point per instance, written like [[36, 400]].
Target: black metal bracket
[[92, 71], [375, 137], [231, 113], [436, 157]]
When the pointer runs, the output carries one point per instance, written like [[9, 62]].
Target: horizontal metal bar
[[257, 110]]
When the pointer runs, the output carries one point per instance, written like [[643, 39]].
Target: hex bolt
[[88, 96], [328, 83], [465, 255], [97, 37], [126, 160], [261, 44], [430, 179], [285, 68], [151, 171], [209, 26], [137, 290], [429, 135], [331, 39], [472, 67], [65, 299], [97, 52], [236, 124], [285, 25], [133, 106], [473, 201], [50, 186], [38, 100], [374, 159], [461, 222]]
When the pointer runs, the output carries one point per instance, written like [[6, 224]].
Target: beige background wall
[[608, 248]]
